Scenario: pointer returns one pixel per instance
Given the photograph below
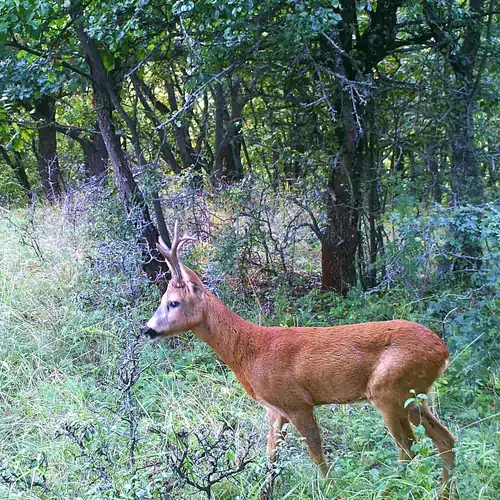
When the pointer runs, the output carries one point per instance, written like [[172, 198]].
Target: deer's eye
[[173, 304]]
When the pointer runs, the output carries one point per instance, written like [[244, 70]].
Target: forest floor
[[87, 410]]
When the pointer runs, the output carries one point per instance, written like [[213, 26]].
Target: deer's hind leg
[[397, 422], [440, 435]]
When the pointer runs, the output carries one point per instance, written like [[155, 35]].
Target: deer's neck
[[232, 338]]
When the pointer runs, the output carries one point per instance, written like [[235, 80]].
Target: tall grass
[[69, 428]]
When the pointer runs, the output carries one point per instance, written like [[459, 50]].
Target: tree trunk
[[373, 202], [181, 133], [340, 241], [15, 162], [352, 58], [432, 160], [48, 163], [228, 134], [96, 156], [235, 131], [341, 238], [142, 91], [466, 180], [292, 166], [219, 131], [132, 197]]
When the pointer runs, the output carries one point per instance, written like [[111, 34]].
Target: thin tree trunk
[[48, 162], [181, 134], [141, 89], [15, 162], [228, 134], [133, 199], [432, 160], [235, 130], [373, 202], [219, 131], [466, 181], [160, 219]]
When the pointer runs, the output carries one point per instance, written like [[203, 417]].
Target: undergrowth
[[88, 409]]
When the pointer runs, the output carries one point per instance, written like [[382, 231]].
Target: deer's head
[[183, 305]]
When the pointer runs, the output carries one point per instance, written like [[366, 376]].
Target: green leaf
[[108, 61], [420, 431], [408, 402]]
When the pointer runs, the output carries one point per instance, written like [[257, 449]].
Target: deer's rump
[[346, 363]]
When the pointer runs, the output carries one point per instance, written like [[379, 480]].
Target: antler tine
[[175, 239], [171, 254]]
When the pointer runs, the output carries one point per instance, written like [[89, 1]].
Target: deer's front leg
[[276, 433], [274, 438], [303, 420]]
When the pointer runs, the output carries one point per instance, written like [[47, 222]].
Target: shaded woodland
[[337, 162], [348, 103]]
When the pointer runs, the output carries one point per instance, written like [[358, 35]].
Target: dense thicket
[[361, 102]]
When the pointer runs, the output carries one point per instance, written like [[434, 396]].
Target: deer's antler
[[171, 254]]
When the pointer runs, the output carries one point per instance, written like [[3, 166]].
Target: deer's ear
[[196, 289]]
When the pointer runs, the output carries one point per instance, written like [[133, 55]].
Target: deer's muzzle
[[152, 334]]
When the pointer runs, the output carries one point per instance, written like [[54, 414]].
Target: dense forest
[[337, 163]]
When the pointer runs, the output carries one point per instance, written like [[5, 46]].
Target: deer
[[290, 370]]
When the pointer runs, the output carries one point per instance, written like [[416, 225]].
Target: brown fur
[[290, 370]]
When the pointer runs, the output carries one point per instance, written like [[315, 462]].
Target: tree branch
[[18, 46]]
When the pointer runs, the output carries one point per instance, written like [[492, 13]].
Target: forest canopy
[[345, 105]]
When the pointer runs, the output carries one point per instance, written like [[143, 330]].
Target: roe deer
[[290, 370]]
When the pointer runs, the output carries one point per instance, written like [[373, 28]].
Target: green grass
[[64, 326]]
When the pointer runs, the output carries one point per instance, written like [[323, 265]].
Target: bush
[[90, 410]]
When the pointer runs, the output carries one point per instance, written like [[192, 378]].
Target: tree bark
[[15, 162], [95, 154], [373, 202], [219, 131], [132, 197], [228, 132], [235, 136], [341, 239], [142, 91], [432, 161], [181, 133], [48, 162], [466, 180], [351, 58]]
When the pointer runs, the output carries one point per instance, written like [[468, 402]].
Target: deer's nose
[[150, 332]]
